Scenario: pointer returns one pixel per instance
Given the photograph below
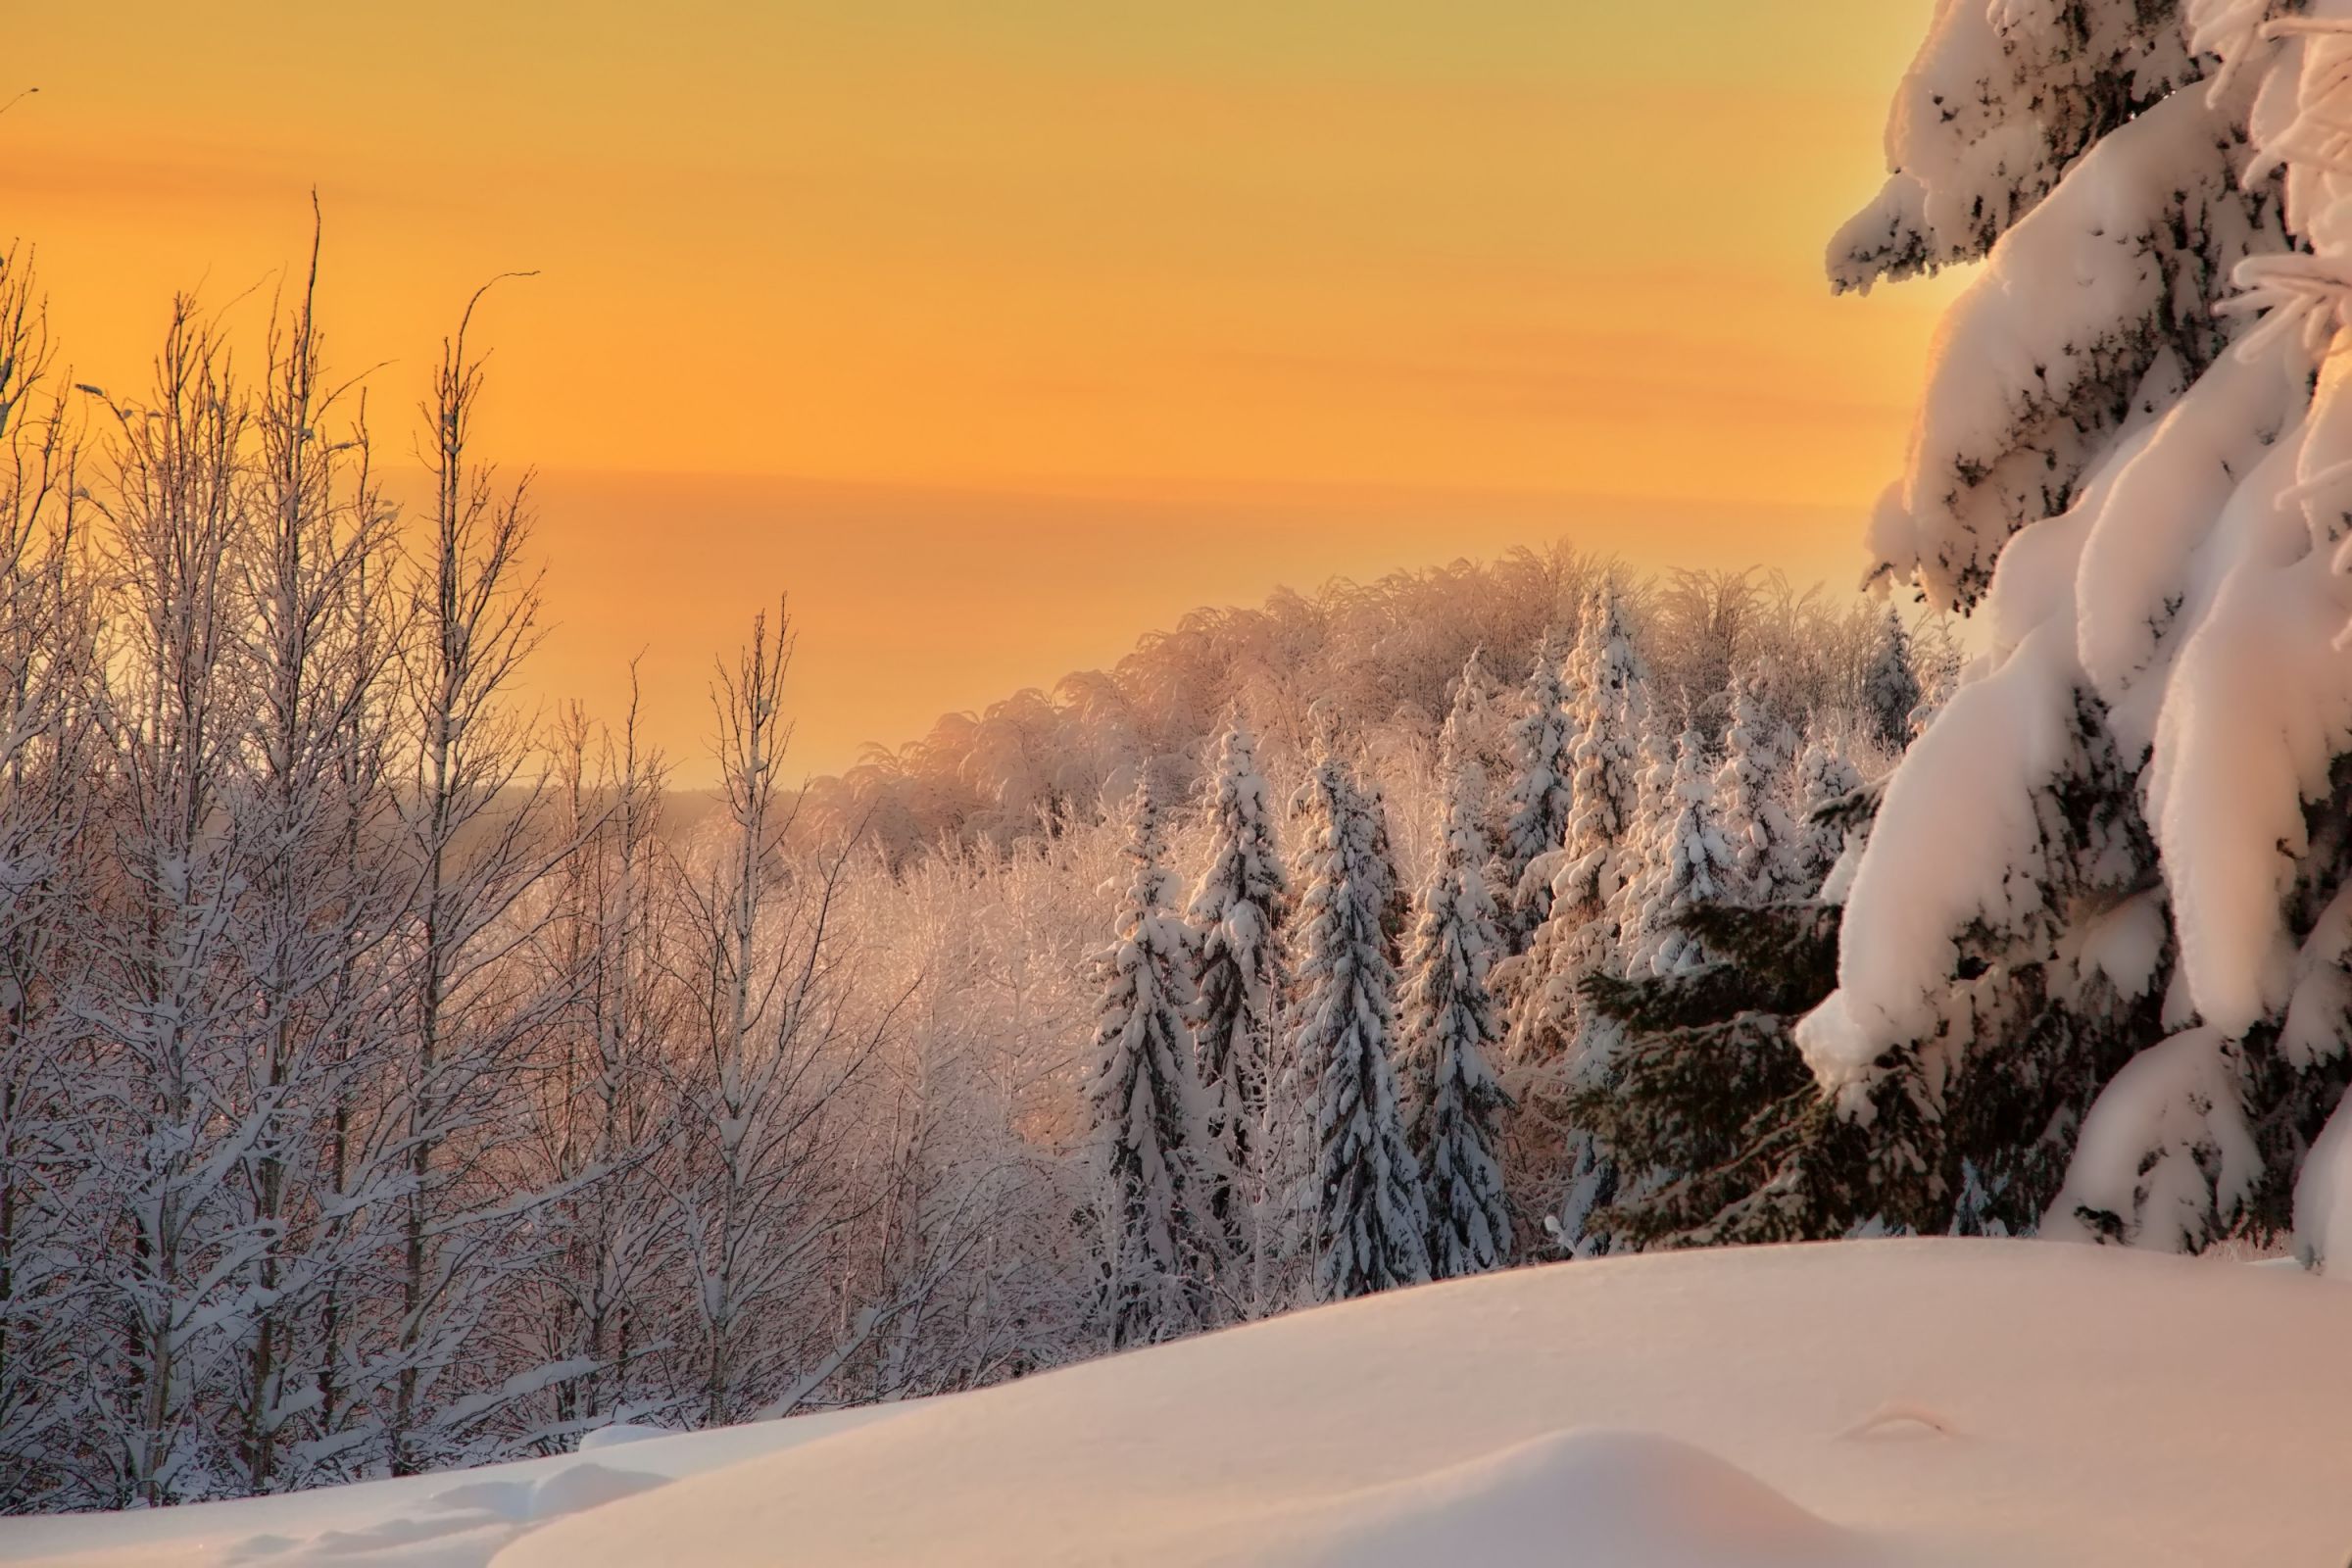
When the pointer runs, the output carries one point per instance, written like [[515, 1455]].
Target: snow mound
[[1637, 1499], [1885, 1404], [618, 1433], [1882, 1404], [568, 1490]]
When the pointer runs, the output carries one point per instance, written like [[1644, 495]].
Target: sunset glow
[[887, 782], [885, 304]]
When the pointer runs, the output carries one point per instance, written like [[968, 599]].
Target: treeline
[[1373, 660], [1311, 1084], [393, 1077]]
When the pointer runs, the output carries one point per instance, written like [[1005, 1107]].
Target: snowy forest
[[395, 1076]]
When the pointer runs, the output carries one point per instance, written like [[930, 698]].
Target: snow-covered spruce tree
[[1568, 1168], [1700, 1123], [1367, 1223], [1369, 822], [1649, 854], [1703, 1098], [1937, 661], [1147, 1113], [1236, 917], [2131, 459], [1596, 858], [1824, 777], [1891, 689], [1451, 1026], [1611, 689], [1548, 1154], [1695, 866], [1757, 827], [1540, 797], [1682, 863], [1479, 719], [1706, 1102]]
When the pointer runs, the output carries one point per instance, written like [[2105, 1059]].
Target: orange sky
[[1001, 333]]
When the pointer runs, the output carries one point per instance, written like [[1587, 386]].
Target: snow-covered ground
[[459, 1519], [1950, 1403]]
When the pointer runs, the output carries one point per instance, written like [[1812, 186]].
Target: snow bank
[[1710, 1410], [1881, 1405], [1636, 1499], [453, 1520], [2049, 1425]]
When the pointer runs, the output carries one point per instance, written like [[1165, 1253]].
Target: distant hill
[[1372, 661]]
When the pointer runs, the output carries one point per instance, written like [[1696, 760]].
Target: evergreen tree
[[1596, 861], [1463, 745], [1684, 865], [1550, 1155], [1648, 856], [1451, 1026], [1707, 1099], [1368, 820], [1537, 805], [1612, 710], [1145, 1111], [1369, 1222], [1705, 1096], [1824, 778], [1236, 916], [1763, 838], [1891, 689], [1476, 731], [1695, 864], [2129, 819]]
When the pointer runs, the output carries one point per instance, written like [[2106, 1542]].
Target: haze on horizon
[[1000, 340]]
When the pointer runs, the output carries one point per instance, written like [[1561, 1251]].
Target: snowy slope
[[458, 1519], [1939, 1402]]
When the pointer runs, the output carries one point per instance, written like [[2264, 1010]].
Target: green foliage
[[1713, 1117]]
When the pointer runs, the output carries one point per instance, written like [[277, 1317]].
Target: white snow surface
[[1859, 1404], [452, 1519]]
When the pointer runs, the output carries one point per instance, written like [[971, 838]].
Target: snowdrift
[[1893, 1404]]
